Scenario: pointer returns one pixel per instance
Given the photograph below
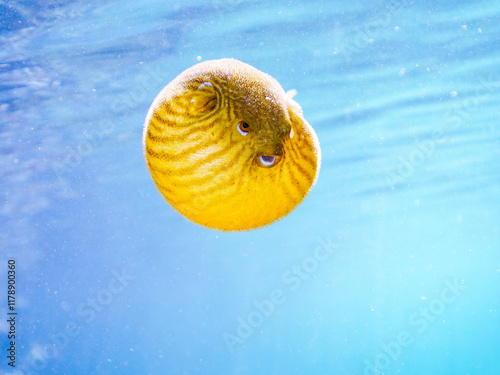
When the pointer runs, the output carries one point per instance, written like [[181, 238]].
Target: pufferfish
[[228, 148]]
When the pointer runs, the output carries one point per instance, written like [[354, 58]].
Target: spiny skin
[[208, 169]]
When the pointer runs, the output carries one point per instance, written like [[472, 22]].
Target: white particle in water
[[453, 94]]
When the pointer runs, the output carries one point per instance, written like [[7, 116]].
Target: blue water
[[390, 266]]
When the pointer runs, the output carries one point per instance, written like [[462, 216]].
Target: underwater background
[[391, 265]]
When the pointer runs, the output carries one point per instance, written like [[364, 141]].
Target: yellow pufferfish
[[228, 148]]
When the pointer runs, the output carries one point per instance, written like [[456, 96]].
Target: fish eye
[[243, 127]]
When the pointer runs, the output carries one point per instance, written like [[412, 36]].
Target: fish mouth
[[269, 156], [268, 161], [269, 151]]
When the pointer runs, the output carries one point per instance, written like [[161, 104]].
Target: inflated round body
[[228, 148]]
